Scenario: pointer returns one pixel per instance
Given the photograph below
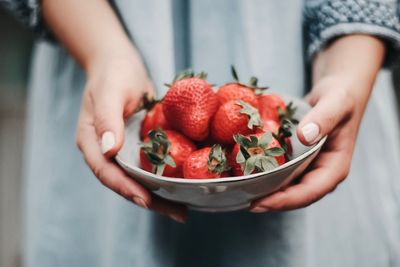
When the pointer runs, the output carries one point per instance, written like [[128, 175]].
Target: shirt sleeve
[[28, 12], [329, 19]]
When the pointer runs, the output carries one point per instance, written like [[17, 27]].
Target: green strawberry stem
[[254, 154], [186, 74], [252, 113], [217, 161], [157, 151], [147, 103], [288, 113], [252, 84], [287, 123]]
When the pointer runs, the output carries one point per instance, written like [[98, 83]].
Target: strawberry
[[256, 153], [283, 136], [164, 152], [269, 106], [287, 122], [154, 119], [206, 163], [269, 126], [236, 90], [190, 104], [234, 117]]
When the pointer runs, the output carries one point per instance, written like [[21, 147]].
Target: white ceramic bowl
[[222, 194]]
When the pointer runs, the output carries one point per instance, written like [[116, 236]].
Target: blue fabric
[[72, 220], [328, 19]]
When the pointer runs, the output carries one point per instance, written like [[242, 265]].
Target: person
[[106, 54]]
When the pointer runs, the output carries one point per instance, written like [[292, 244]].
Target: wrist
[[108, 53], [355, 58], [123, 57]]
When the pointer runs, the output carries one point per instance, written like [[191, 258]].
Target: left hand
[[334, 113], [343, 76]]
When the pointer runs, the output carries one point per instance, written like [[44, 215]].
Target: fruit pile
[[197, 133]]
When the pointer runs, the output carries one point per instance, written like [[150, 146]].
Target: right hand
[[113, 90]]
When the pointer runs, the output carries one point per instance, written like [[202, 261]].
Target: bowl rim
[[153, 176]]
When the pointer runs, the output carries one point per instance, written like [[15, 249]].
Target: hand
[[113, 91], [335, 113], [116, 81], [343, 78]]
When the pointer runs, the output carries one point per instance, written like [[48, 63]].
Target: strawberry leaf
[[265, 139], [275, 151], [170, 161], [288, 113], [157, 151], [240, 157], [147, 103], [252, 113], [254, 154], [234, 74], [284, 132], [202, 75], [188, 73], [252, 84], [159, 169], [268, 163], [250, 165], [253, 81], [217, 161]]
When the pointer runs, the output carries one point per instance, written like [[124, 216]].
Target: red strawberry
[[239, 91], [287, 122], [236, 91], [284, 133], [269, 126], [206, 163], [256, 153], [164, 152], [269, 105], [234, 117], [154, 119], [189, 105]]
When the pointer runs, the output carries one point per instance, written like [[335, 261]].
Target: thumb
[[328, 112], [109, 123]]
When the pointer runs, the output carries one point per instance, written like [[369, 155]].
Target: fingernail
[[107, 142], [140, 202], [177, 218], [310, 132], [259, 209]]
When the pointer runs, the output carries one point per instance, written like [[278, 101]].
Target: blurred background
[[15, 52]]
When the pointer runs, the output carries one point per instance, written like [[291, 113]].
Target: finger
[[329, 170], [108, 121], [135, 98], [327, 113], [175, 211], [106, 170]]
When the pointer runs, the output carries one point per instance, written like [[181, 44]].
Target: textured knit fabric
[[328, 19], [72, 220]]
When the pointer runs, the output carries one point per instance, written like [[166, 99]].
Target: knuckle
[[333, 188], [344, 174], [78, 142], [312, 198], [125, 192], [101, 122], [98, 171]]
